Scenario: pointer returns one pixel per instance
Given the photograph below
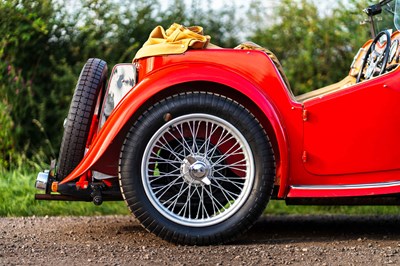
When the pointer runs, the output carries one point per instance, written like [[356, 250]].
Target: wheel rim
[[197, 170]]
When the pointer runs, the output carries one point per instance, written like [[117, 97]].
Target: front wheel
[[197, 169]]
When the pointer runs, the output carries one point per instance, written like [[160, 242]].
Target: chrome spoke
[[187, 203], [197, 170], [239, 185], [170, 149], [227, 152], [207, 140], [202, 204], [224, 156], [230, 179], [237, 163], [180, 142], [185, 144], [161, 187], [232, 168], [214, 201], [220, 142], [161, 173], [166, 188], [194, 132], [226, 192], [162, 176], [223, 193], [238, 151], [177, 196], [157, 157]]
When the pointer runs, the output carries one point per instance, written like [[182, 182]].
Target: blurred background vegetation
[[45, 43]]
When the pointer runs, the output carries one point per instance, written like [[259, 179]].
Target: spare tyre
[[80, 115]]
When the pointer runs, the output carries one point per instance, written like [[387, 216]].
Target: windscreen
[[387, 20], [397, 14]]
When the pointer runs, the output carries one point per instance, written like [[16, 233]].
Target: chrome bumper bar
[[42, 180]]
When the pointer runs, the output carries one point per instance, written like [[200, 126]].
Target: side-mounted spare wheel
[[80, 115], [197, 168]]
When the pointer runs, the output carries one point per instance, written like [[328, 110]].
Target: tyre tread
[[80, 115]]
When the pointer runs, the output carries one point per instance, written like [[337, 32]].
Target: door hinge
[[305, 115], [304, 157]]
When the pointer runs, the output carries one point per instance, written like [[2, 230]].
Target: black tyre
[[197, 169], [91, 81]]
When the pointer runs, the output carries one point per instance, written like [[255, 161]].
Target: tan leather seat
[[347, 81]]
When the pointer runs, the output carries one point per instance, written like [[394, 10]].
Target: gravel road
[[277, 240]]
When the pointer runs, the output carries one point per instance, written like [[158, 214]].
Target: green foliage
[[44, 45], [315, 49], [6, 141], [25, 27]]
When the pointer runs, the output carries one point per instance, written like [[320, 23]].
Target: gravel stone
[[274, 240]]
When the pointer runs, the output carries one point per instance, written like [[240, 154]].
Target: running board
[[331, 191]]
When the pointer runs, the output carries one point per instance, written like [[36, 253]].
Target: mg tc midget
[[196, 139]]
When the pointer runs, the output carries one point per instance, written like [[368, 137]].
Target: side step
[[72, 198]]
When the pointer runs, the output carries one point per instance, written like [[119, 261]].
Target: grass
[[278, 207], [17, 199]]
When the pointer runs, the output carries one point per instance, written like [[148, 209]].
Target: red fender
[[178, 74]]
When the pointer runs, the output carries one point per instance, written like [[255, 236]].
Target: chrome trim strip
[[359, 186]]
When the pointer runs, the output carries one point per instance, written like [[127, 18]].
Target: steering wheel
[[375, 60]]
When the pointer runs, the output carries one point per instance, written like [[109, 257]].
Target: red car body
[[339, 144], [335, 145]]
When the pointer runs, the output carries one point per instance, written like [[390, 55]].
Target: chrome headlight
[[122, 80]]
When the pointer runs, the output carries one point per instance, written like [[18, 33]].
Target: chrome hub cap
[[196, 171]]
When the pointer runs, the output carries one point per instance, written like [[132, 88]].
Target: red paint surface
[[349, 137]]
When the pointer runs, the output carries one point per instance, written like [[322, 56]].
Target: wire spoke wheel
[[197, 169], [185, 170]]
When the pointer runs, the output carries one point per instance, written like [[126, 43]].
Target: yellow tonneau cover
[[175, 40]]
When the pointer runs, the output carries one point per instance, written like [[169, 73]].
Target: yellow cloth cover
[[175, 40]]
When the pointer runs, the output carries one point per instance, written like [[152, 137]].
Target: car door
[[355, 129]]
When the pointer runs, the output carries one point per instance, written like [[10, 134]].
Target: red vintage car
[[197, 139]]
